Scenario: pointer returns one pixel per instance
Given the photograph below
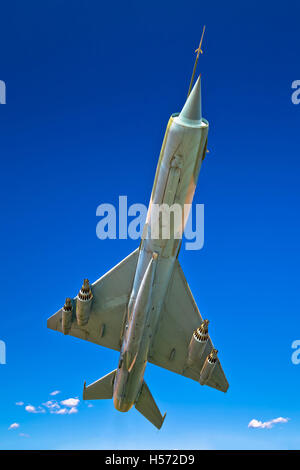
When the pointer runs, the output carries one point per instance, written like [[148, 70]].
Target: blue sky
[[90, 88]]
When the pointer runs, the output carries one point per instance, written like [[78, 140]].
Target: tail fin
[[147, 406], [101, 389]]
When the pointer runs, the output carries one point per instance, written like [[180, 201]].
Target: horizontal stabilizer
[[101, 389], [148, 408]]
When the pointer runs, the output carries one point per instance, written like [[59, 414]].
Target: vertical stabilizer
[[148, 408]]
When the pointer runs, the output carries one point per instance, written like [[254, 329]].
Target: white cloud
[[65, 411], [14, 426], [90, 405], [73, 410], [70, 402], [22, 434], [30, 409], [51, 405], [61, 411], [33, 409], [20, 403], [65, 407], [255, 424], [56, 392]]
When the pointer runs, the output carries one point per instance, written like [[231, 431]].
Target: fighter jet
[[143, 307]]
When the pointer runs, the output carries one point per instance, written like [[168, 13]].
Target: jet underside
[[143, 307]]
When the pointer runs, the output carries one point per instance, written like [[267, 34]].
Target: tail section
[[101, 389], [148, 408]]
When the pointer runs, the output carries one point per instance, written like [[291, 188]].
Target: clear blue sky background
[[90, 87]]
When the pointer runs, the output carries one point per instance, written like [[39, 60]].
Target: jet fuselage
[[182, 152]]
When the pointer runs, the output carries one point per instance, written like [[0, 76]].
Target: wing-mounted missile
[[208, 366], [84, 303], [198, 343], [67, 316]]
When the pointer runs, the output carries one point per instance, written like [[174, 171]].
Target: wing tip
[[162, 421], [223, 388], [53, 322]]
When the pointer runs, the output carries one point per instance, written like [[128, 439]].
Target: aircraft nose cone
[[191, 111]]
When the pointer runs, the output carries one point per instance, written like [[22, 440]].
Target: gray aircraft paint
[[129, 307], [175, 182]]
